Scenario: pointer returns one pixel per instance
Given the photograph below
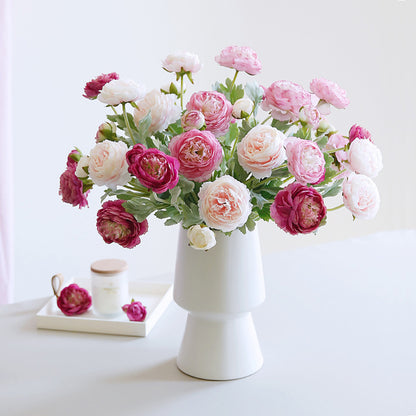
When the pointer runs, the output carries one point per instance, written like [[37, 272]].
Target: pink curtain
[[6, 168]]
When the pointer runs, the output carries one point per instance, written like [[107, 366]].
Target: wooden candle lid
[[109, 266]]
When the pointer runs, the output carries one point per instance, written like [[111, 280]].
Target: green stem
[[115, 112], [234, 79], [126, 120], [335, 208], [233, 149], [335, 150], [182, 92], [266, 120]]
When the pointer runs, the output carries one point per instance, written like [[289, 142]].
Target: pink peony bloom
[[358, 132], [74, 300], [154, 169], [116, 225], [298, 209], [310, 114], [224, 204], [193, 119], [182, 61], [240, 58], [261, 150], [94, 87], [330, 92], [135, 311], [199, 154], [365, 157], [216, 109], [284, 99], [305, 161], [361, 196], [70, 188]]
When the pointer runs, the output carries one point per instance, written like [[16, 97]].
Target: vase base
[[222, 347]]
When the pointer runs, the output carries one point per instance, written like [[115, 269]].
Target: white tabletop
[[338, 334]]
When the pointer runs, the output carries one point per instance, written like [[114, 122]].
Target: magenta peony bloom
[[285, 99], [74, 300], [298, 209], [116, 225], [217, 110], [154, 169], [70, 188], [199, 154], [135, 311], [240, 58], [330, 92], [94, 87], [305, 160], [358, 132]]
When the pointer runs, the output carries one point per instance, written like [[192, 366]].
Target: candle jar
[[109, 282]]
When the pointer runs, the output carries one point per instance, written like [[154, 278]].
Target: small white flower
[[162, 107], [120, 91], [365, 158], [243, 104], [83, 163], [201, 238], [186, 61]]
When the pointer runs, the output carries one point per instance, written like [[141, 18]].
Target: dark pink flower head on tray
[[154, 169], [135, 311], [94, 87], [116, 225], [74, 300], [298, 209]]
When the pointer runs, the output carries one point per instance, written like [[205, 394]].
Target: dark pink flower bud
[[358, 132], [135, 311], [74, 300], [298, 209], [94, 87], [116, 225]]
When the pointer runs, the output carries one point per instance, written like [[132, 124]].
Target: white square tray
[[155, 296]]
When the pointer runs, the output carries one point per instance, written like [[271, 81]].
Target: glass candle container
[[109, 283]]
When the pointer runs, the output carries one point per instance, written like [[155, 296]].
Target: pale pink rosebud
[[193, 119], [242, 108], [106, 131]]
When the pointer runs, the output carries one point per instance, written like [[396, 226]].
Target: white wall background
[[365, 46]]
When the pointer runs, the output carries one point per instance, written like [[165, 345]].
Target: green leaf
[[236, 93], [143, 127], [255, 93], [332, 189], [175, 192], [190, 215], [283, 126], [171, 221], [322, 141], [140, 207], [304, 133], [185, 185], [281, 172], [264, 212]]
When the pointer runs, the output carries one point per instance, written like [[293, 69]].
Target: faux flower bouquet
[[213, 163]]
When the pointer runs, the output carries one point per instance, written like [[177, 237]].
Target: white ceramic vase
[[219, 288]]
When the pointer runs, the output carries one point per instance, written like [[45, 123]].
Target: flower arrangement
[[223, 159]]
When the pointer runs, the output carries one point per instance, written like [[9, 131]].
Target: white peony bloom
[[108, 165], [83, 163], [186, 61], [243, 104], [365, 158], [201, 238], [361, 196], [162, 108], [120, 91], [261, 150]]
